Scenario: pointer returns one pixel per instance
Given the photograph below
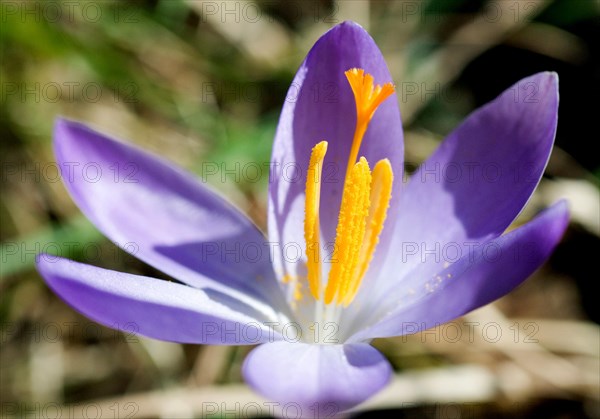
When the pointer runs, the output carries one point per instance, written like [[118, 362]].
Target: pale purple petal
[[479, 179], [322, 380], [152, 307], [163, 214], [478, 278], [320, 106]]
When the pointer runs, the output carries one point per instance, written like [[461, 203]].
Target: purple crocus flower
[[353, 253]]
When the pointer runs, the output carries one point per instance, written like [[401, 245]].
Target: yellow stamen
[[311, 218], [381, 193], [367, 98], [365, 200], [350, 231]]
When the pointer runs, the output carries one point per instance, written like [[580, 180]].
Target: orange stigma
[[368, 97]]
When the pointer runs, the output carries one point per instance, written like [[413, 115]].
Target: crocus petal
[[479, 179], [174, 223], [320, 106], [321, 380], [152, 307], [478, 278]]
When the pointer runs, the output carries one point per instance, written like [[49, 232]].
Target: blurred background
[[204, 81]]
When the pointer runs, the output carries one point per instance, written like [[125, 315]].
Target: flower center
[[365, 199]]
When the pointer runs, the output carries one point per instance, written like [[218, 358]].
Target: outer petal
[[320, 106], [478, 278], [152, 307], [479, 179], [321, 379], [177, 225]]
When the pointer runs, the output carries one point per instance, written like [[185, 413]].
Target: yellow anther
[[311, 218], [350, 231], [381, 193]]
